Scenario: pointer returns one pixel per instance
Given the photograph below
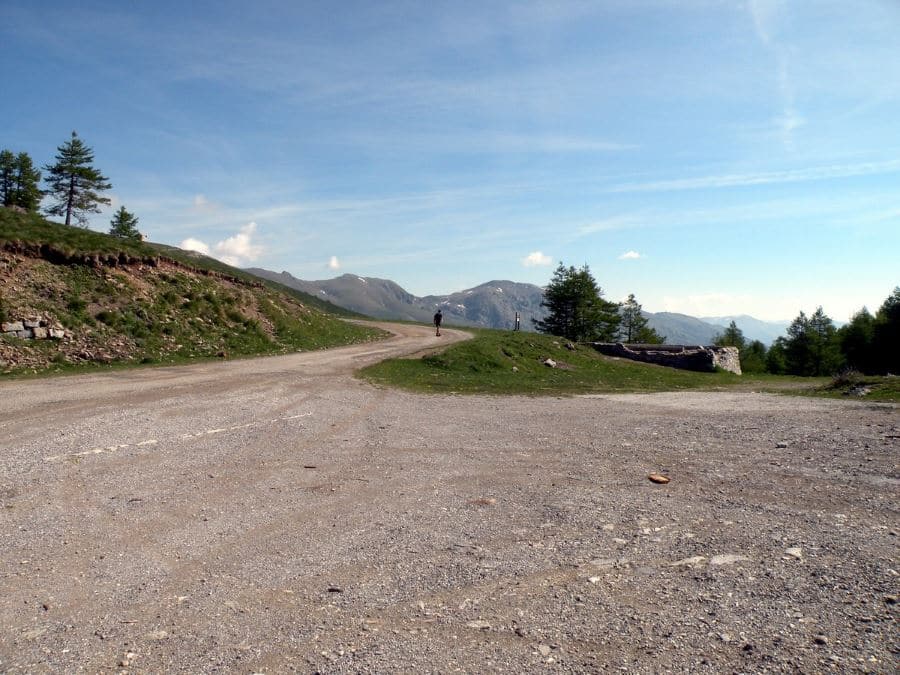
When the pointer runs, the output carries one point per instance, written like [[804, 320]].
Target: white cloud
[[630, 255], [537, 259], [236, 250], [239, 248], [334, 263], [191, 244]]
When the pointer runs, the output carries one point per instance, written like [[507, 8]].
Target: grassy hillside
[[504, 362], [133, 302]]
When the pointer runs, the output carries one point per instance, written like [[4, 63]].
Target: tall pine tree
[[74, 184], [7, 177], [19, 181], [576, 309]]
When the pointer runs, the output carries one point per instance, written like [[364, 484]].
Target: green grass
[[31, 228], [503, 362], [855, 385], [199, 261], [164, 315]]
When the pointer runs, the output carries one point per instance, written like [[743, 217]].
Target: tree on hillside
[[576, 309], [7, 177], [124, 225], [886, 335], [753, 357], [811, 347], [752, 354], [731, 337], [74, 184], [633, 328], [856, 339], [19, 181]]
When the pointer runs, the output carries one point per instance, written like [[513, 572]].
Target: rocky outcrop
[[34, 328], [687, 357]]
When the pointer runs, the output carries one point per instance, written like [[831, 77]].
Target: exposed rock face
[[686, 357], [33, 329]]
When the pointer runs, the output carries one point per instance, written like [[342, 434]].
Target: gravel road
[[277, 515]]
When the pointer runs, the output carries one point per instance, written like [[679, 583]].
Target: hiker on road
[[437, 323]]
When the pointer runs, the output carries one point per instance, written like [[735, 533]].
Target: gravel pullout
[[276, 515]]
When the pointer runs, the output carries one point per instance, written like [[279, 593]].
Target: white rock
[[727, 559], [794, 552], [688, 562]]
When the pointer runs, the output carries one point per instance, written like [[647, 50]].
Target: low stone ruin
[[687, 357], [33, 329]]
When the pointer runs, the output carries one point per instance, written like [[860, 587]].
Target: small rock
[[794, 552], [480, 624], [781, 444], [727, 559], [544, 650], [335, 589], [688, 562], [658, 478], [820, 639], [550, 363]]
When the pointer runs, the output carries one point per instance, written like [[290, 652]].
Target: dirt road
[[276, 515]]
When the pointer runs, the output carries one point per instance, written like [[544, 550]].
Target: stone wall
[[33, 329], [686, 357]]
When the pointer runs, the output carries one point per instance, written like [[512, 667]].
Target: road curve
[[25, 396], [277, 515]]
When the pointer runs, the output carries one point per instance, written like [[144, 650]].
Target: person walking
[[437, 323]]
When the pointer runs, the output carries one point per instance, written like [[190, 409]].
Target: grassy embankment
[[503, 362], [135, 312]]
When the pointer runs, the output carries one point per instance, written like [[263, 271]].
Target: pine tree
[[19, 181], [856, 341], [74, 184], [886, 335], [7, 177], [731, 337], [811, 347], [633, 328], [26, 183], [576, 308], [124, 225]]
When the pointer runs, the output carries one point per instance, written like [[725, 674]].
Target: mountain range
[[494, 305]]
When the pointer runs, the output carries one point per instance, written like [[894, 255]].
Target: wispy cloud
[[767, 16], [608, 224], [537, 259], [630, 255], [762, 178]]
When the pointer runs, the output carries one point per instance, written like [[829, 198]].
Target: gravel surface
[[276, 515]]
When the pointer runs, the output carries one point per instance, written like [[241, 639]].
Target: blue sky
[[710, 156]]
